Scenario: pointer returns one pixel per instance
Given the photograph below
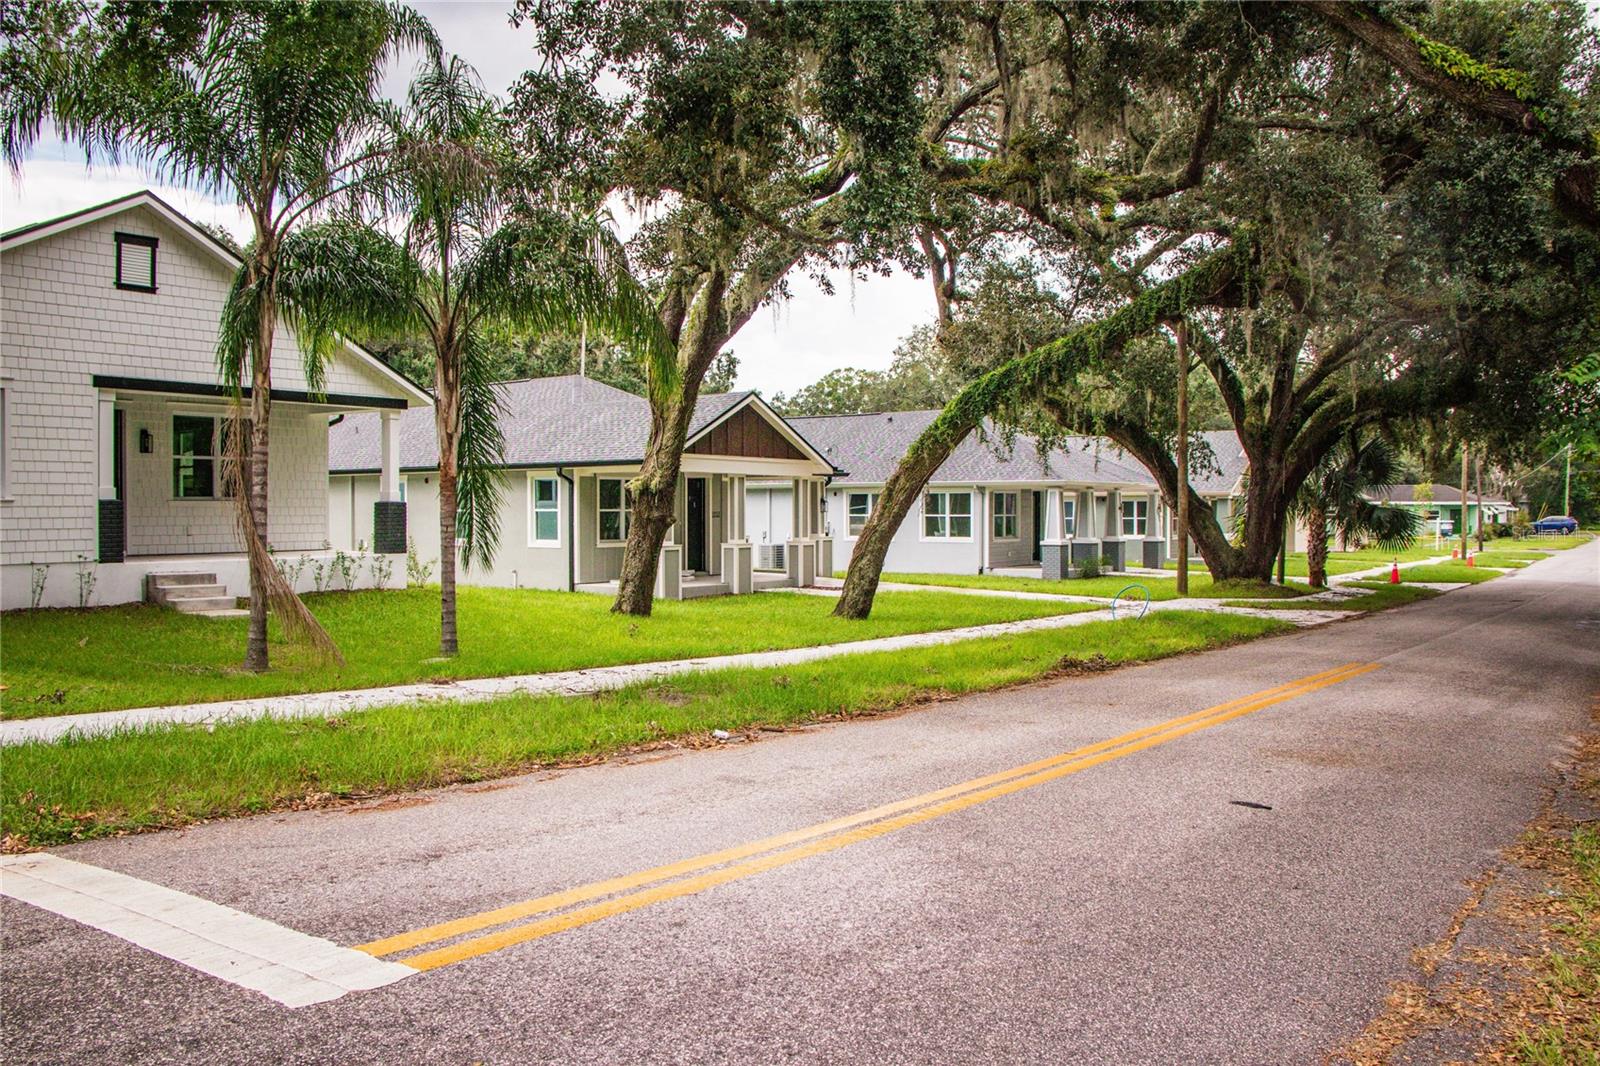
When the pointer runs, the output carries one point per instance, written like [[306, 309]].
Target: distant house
[[112, 414], [1439, 506], [572, 445], [992, 505]]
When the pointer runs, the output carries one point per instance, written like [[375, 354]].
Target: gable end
[[749, 435]]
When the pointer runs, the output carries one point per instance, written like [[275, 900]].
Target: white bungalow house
[[112, 414], [572, 445], [991, 505]]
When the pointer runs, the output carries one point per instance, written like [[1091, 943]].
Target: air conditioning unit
[[770, 557]]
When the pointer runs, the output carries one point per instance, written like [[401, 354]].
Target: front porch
[[707, 550]]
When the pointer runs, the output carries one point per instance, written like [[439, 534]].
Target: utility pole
[[1182, 331], [1478, 469], [1566, 499], [1463, 501]]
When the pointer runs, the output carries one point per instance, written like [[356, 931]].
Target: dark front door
[[694, 536], [1038, 523]]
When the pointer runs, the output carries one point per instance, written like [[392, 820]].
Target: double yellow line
[[619, 895]]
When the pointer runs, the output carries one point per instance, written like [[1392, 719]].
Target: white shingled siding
[[65, 321], [159, 524]]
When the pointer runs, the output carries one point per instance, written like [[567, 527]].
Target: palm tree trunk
[[447, 424], [255, 654], [1317, 546], [447, 559]]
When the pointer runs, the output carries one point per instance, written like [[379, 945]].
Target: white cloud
[[782, 348]]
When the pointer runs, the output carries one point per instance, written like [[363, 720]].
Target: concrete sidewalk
[[601, 679]]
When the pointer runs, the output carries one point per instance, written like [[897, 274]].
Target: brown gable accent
[[749, 435]]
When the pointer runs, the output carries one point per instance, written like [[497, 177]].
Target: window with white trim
[[1005, 515], [136, 262], [203, 456], [1069, 516], [947, 516], [544, 511], [615, 501], [858, 508], [1135, 517]]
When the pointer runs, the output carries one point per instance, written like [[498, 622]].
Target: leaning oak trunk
[[654, 490], [654, 496], [1029, 379], [910, 476]]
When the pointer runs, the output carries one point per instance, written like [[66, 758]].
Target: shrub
[[1090, 568]]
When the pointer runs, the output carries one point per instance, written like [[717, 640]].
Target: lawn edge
[[697, 740]]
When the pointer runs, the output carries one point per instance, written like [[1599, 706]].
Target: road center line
[[815, 840]]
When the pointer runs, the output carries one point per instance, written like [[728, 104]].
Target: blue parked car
[[1559, 523]]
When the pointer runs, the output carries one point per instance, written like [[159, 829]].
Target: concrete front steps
[[192, 593]]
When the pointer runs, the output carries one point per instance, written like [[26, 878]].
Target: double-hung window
[[1135, 517], [544, 515], [859, 508], [203, 456], [1069, 516], [947, 516], [615, 502], [1005, 515]]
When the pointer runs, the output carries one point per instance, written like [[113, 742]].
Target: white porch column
[[1052, 515], [736, 505], [106, 424], [389, 457]]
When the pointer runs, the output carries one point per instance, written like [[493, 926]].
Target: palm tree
[[475, 251], [268, 103], [1336, 498]]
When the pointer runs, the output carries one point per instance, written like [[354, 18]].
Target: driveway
[[1223, 857]]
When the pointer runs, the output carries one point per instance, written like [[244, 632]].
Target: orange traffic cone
[[1394, 573], [1472, 558], [1455, 553]]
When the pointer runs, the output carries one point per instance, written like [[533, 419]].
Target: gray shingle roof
[[869, 446], [1218, 474], [1437, 493], [561, 421]]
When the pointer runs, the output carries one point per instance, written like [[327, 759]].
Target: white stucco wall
[[909, 551], [518, 562]]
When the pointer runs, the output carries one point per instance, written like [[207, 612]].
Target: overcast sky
[[782, 348]]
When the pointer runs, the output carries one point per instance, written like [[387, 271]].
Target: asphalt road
[[1128, 912]]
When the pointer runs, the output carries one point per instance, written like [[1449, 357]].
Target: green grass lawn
[[77, 789], [1200, 585], [68, 662], [1382, 597], [1506, 559], [1338, 563], [1448, 572]]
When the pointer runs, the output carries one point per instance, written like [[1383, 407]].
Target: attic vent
[[136, 262]]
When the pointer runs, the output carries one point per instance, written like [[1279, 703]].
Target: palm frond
[[341, 278], [549, 272], [480, 455]]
